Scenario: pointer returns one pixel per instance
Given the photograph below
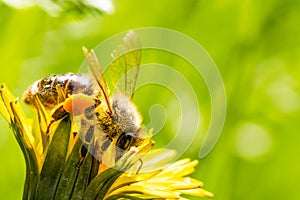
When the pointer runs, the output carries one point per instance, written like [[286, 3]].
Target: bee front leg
[[140, 167]]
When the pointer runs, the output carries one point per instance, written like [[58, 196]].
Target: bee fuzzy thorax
[[125, 113]]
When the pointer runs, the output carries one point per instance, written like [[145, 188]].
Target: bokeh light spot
[[20, 3], [252, 141], [284, 97]]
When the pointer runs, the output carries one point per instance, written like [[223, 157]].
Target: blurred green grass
[[256, 46]]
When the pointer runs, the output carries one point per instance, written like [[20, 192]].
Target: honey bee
[[103, 121]]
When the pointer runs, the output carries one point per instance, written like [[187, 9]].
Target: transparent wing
[[97, 74], [124, 69]]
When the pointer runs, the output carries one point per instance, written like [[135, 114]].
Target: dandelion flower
[[52, 171], [82, 144]]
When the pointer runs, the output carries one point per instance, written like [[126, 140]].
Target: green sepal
[[54, 161], [9, 108], [99, 182], [82, 178], [106, 185], [32, 170], [69, 175], [100, 185]]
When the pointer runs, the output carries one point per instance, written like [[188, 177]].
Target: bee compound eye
[[125, 140]]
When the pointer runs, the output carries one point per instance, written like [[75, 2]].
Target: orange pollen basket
[[78, 103]]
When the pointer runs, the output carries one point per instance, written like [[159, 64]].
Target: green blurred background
[[255, 44]]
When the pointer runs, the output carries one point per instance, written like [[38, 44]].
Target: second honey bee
[[104, 123]]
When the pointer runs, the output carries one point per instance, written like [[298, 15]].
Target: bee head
[[128, 139], [125, 141]]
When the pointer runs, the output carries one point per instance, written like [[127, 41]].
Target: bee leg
[[140, 167], [78, 165], [58, 114], [83, 154], [94, 169], [49, 125]]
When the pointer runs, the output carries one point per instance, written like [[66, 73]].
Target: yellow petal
[[43, 115], [7, 98], [199, 192], [178, 184], [180, 168], [180, 163], [156, 159], [135, 189], [4, 111], [21, 121], [129, 178]]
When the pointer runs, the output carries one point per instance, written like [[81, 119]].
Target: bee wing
[[127, 62], [97, 74]]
